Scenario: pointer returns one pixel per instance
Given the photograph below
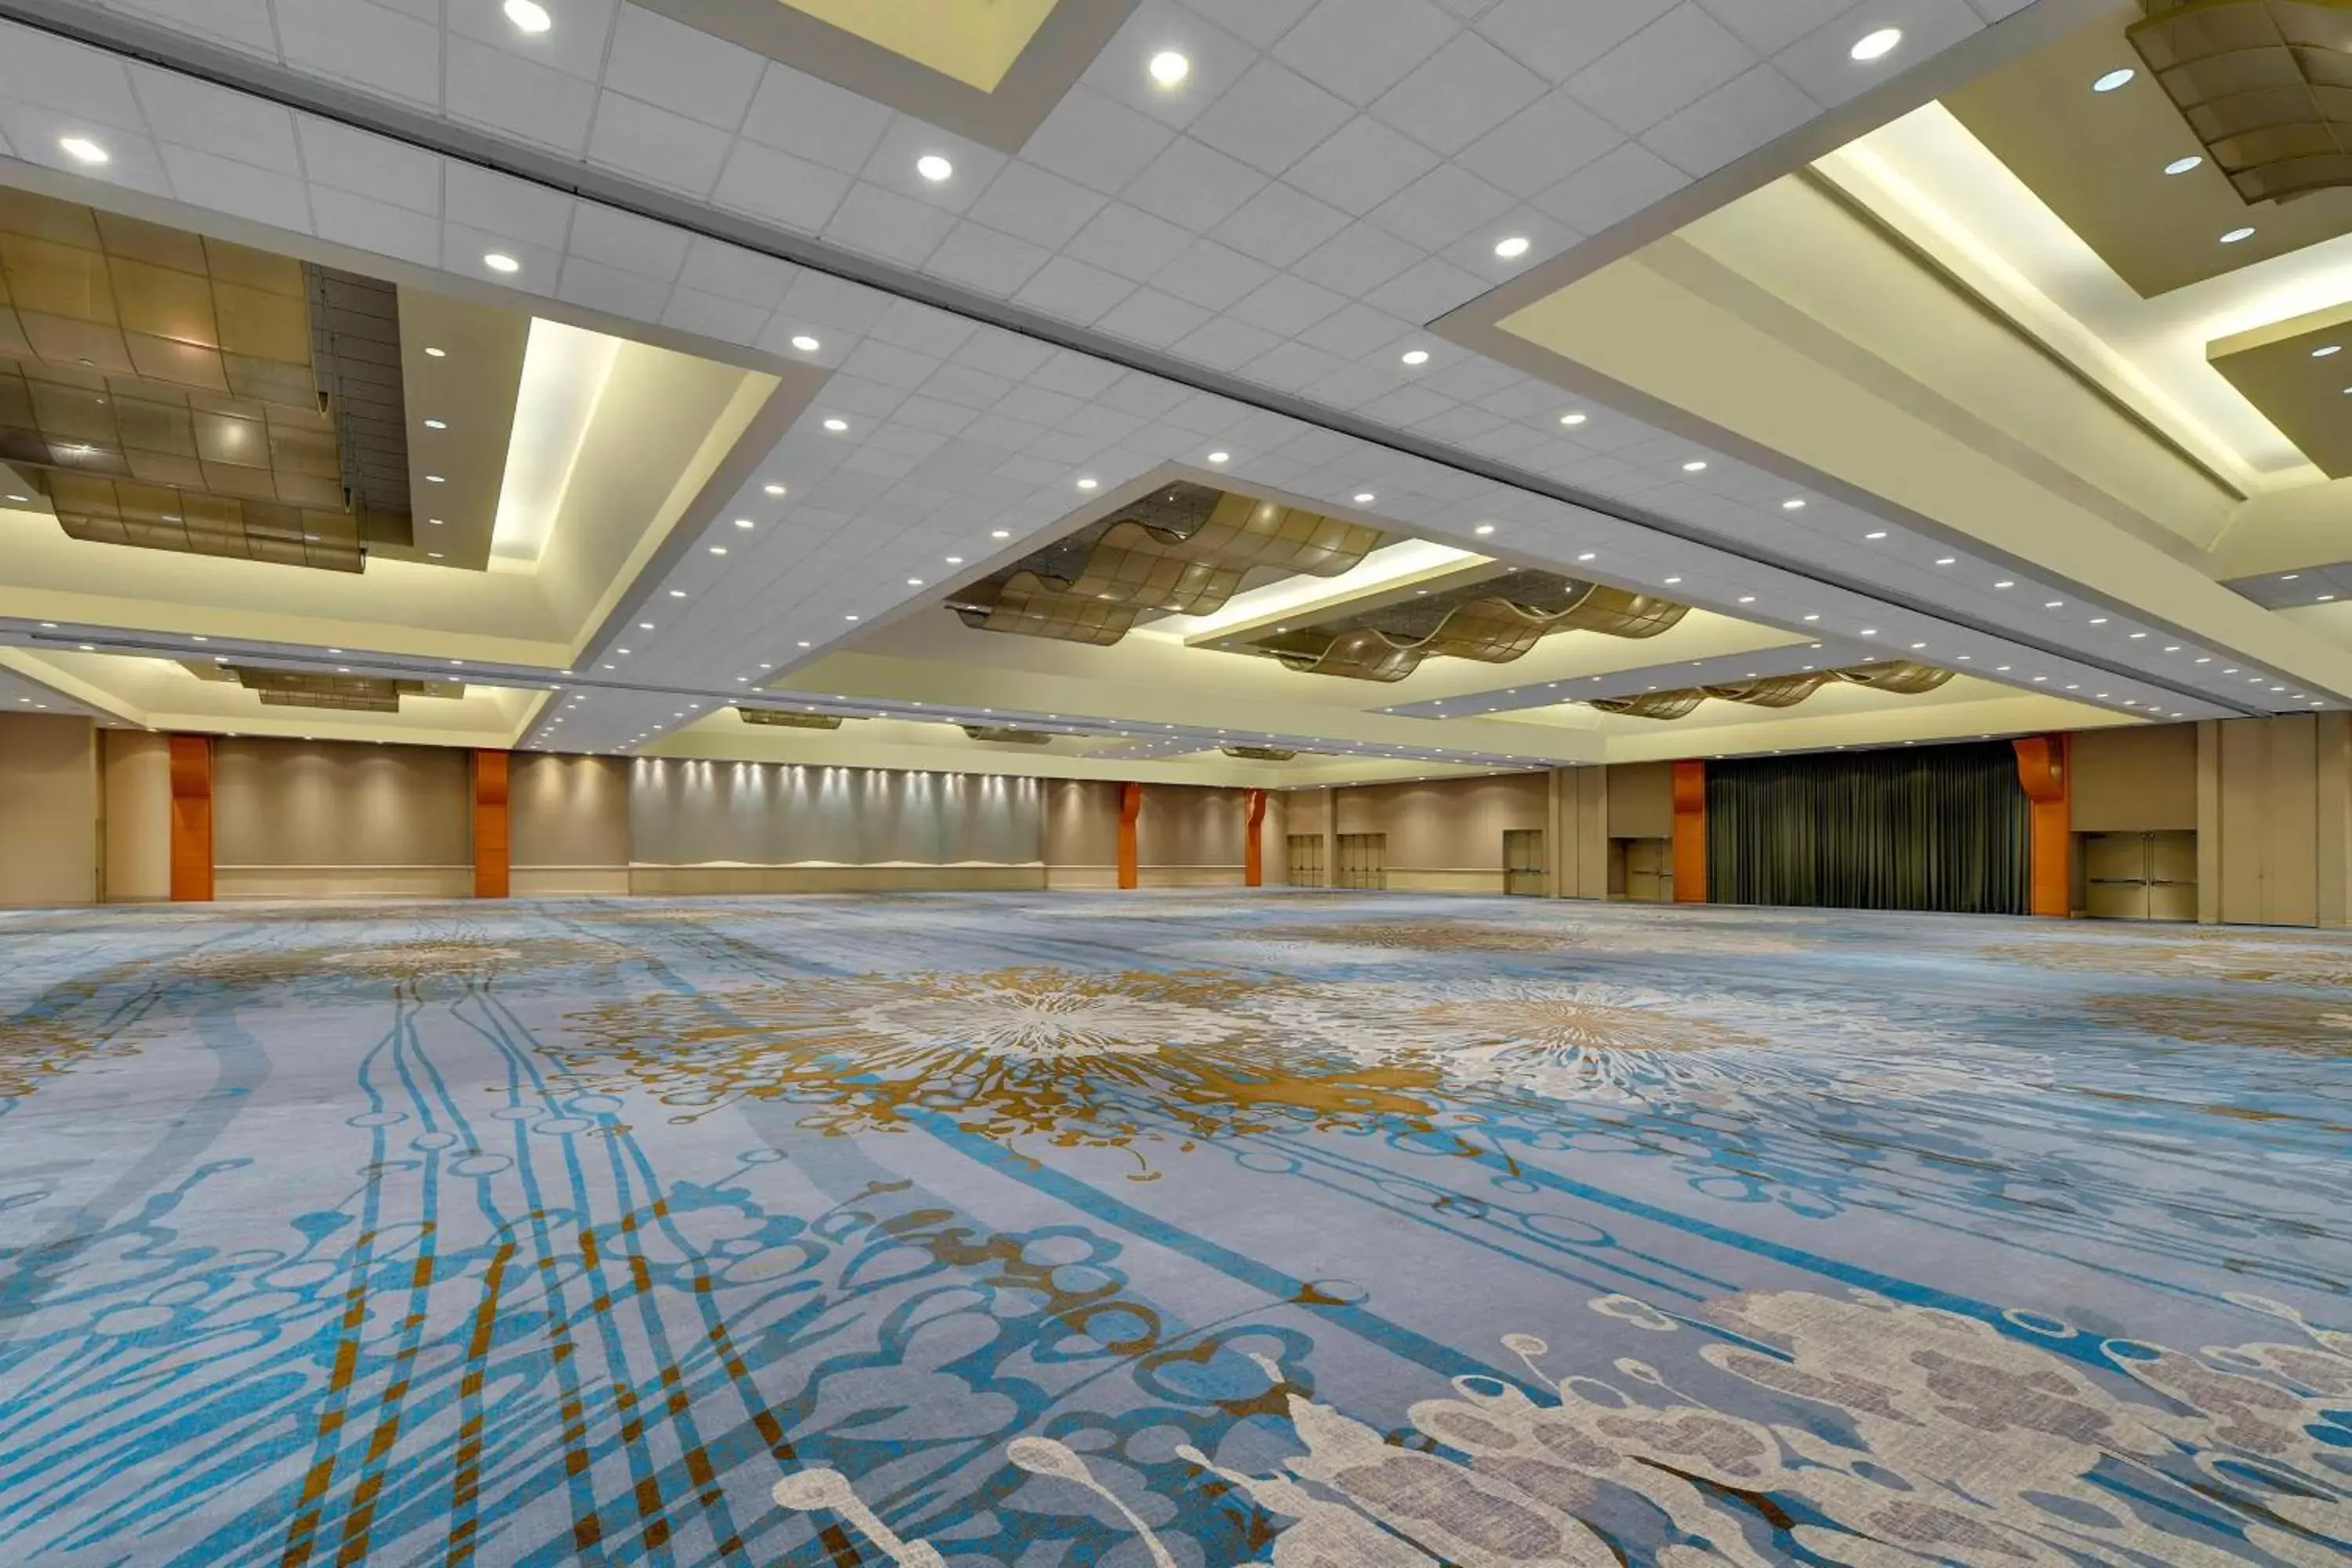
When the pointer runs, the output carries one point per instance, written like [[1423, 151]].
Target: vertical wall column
[[2042, 770], [491, 842], [191, 819], [1690, 833], [1130, 808], [1253, 850]]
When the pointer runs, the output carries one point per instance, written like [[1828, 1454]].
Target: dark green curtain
[[1927, 827]]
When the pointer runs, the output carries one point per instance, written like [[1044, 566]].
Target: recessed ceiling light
[[1869, 631], [1417, 356], [2056, 605], [82, 149], [2330, 349], [1876, 45], [1000, 533], [436, 353], [933, 167], [2182, 166], [678, 592], [955, 560], [719, 549], [1511, 249], [1087, 484], [1672, 581], [1168, 68], [1812, 617], [528, 16], [2242, 232], [742, 522], [434, 480], [1364, 497], [1572, 419], [2004, 584], [914, 581], [837, 426], [1695, 466], [499, 261], [1586, 556], [1220, 457], [645, 625], [849, 617], [1879, 535], [2098, 620], [2120, 76], [433, 554], [1746, 598], [436, 424], [1483, 528]]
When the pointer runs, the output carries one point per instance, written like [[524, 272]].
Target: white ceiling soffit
[[1277, 316]]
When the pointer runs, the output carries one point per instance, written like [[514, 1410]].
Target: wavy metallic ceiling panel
[[344, 694], [161, 388], [1901, 675], [1492, 622], [1259, 754], [1004, 735], [1186, 550], [2266, 85], [778, 718]]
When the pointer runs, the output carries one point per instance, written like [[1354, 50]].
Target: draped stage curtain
[[1930, 827]]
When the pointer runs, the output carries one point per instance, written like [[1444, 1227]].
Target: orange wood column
[[1253, 853], [192, 819], [2041, 769], [490, 824], [1690, 833], [1130, 806]]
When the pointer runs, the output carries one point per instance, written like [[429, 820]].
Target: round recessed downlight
[[2330, 349], [436, 424], [837, 426], [1573, 418], [1168, 68], [805, 343], [436, 353], [1484, 529], [1876, 45], [773, 490], [1417, 356], [499, 261], [2120, 76], [1089, 484], [1794, 503], [933, 167], [1511, 249], [1220, 457], [528, 16], [82, 149], [1696, 465], [2182, 166], [2235, 234]]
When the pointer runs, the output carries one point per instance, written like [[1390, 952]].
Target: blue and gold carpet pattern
[[1169, 1231]]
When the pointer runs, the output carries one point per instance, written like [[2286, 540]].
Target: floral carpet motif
[[1169, 1231]]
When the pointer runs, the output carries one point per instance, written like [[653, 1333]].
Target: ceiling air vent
[[2266, 84]]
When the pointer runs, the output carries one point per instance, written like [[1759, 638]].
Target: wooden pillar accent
[[1690, 833], [191, 819], [490, 880], [1253, 852], [1130, 806], [2042, 770]]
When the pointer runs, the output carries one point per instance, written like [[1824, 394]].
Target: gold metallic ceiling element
[[1901, 675], [1492, 622], [345, 693], [777, 717], [165, 384], [2266, 85], [1185, 550], [1006, 735], [1259, 754]]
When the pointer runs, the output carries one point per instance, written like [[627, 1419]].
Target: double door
[[1363, 861]]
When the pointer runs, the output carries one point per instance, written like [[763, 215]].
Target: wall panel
[[136, 768], [569, 820], [335, 819], [1640, 800], [2140, 779], [49, 804]]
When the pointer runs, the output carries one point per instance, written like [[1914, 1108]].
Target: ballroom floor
[[1330, 1231]]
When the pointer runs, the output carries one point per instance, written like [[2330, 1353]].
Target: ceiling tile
[[1560, 37], [1360, 48], [1363, 164], [1354, 331], [792, 192], [888, 225], [1261, 22], [1102, 144], [1150, 317], [519, 97], [674, 67], [1440, 207], [1042, 208], [1074, 290], [1753, 110], [1357, 261], [812, 118], [613, 290], [228, 125], [1287, 304], [654, 145], [1194, 186], [1427, 290], [1540, 145], [576, 47], [728, 321], [980, 257], [1611, 188], [377, 166], [1208, 274], [1821, 64], [1127, 241], [500, 203], [1225, 343], [364, 44], [731, 272], [613, 239], [1279, 225], [1672, 63], [1459, 94], [38, 69], [348, 218], [892, 165], [1271, 118], [1770, 26]]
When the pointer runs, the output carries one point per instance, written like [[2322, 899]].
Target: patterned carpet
[[1328, 1231]]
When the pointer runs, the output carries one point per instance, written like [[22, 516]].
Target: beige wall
[[2141, 779], [1187, 836], [1444, 836], [714, 826], [567, 825], [49, 806], [136, 768], [1642, 800], [338, 819], [2275, 804], [1579, 847]]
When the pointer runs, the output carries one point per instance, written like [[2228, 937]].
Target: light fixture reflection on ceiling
[[2121, 75], [2243, 232], [82, 149], [1514, 248], [499, 261], [933, 167], [1876, 45], [528, 15], [1168, 68]]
